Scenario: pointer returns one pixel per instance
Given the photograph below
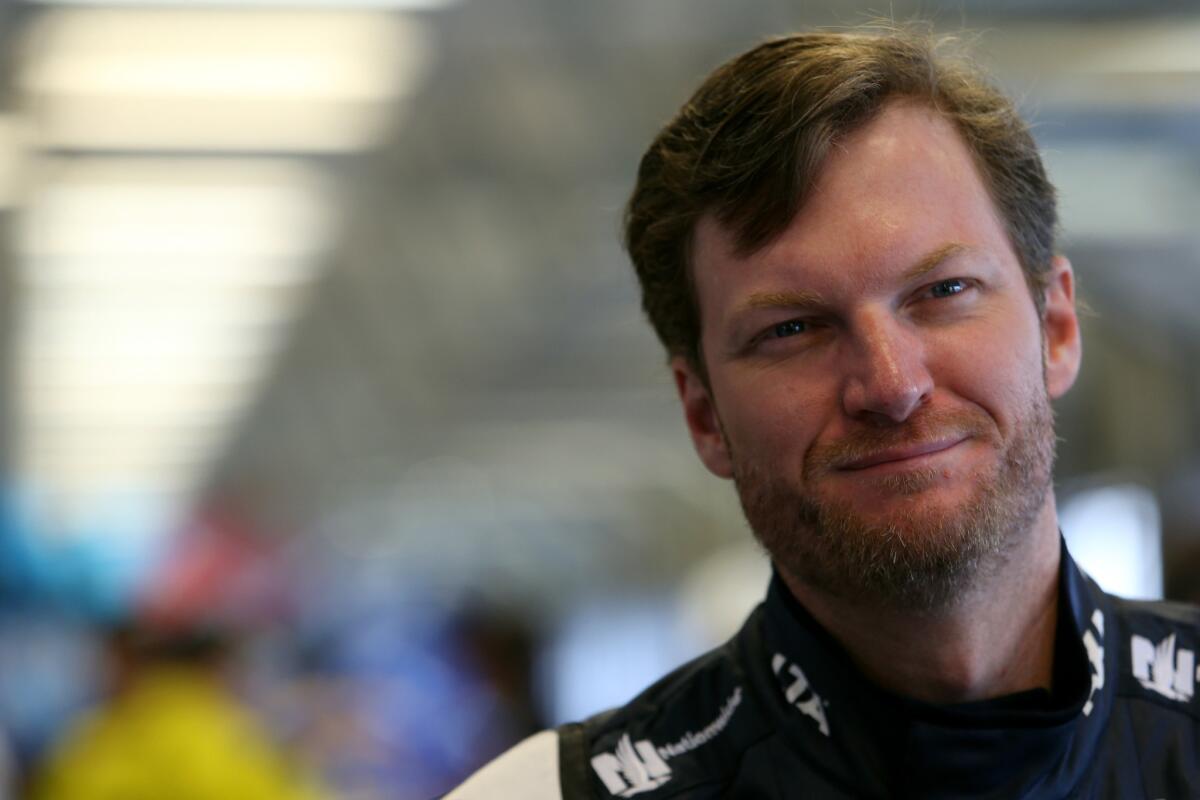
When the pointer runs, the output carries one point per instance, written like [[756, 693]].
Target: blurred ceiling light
[[216, 79], [154, 295], [1126, 64], [108, 217], [113, 462], [155, 208], [395, 5], [192, 371], [110, 401], [251, 269]]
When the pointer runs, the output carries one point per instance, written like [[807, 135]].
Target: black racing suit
[[781, 712]]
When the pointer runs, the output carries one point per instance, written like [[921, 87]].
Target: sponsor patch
[[636, 767], [1163, 668], [1095, 656], [799, 692]]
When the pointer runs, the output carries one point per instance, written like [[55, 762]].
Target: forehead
[[892, 191]]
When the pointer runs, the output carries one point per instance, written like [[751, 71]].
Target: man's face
[[879, 379]]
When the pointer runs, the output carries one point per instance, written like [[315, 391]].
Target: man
[[846, 244]]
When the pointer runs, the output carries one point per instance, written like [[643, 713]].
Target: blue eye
[[948, 288], [789, 328]]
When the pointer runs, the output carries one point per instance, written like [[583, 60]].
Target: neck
[[995, 640]]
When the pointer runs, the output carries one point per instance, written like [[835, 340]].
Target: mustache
[[927, 426]]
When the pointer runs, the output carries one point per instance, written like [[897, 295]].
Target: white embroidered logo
[[632, 769], [637, 767], [1095, 654], [1163, 669], [800, 694], [693, 739]]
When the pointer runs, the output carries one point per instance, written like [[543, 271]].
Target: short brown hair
[[748, 145]]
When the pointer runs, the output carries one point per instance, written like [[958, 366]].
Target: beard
[[920, 556]]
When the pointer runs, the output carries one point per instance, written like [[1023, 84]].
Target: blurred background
[[329, 421]]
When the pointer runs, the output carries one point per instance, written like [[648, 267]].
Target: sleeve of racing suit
[[528, 771], [573, 761]]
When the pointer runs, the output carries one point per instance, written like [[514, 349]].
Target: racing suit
[[780, 712]]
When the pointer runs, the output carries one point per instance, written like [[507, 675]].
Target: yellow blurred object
[[176, 733]]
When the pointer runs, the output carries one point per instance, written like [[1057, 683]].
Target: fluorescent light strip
[[226, 209], [217, 80], [140, 342], [388, 5], [264, 271]]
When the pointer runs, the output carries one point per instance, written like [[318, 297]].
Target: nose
[[886, 377]]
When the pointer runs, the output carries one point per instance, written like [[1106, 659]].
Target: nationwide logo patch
[[1164, 669], [636, 767]]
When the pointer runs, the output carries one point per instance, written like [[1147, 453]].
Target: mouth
[[904, 456]]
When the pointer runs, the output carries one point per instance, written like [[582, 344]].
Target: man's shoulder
[[1157, 660], [692, 694], [687, 693], [686, 730], [1168, 612]]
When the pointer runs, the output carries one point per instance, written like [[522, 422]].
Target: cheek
[[771, 416], [999, 374]]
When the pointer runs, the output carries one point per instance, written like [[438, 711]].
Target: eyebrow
[[807, 299], [799, 299], [802, 298], [933, 260]]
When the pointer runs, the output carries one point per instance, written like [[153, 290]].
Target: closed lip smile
[[903, 453]]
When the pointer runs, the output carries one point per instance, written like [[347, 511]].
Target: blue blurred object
[[24, 566], [422, 702], [94, 571], [56, 586], [49, 671]]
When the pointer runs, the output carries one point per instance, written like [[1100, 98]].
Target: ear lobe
[[700, 414], [1060, 330]]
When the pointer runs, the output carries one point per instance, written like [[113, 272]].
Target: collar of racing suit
[[1030, 744]]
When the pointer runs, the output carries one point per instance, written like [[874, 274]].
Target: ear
[[1060, 329], [700, 413]]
